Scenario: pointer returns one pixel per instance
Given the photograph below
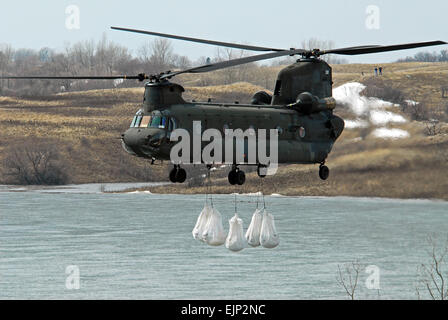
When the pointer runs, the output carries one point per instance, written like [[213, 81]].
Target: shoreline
[[168, 188], [67, 189], [81, 187], [147, 192]]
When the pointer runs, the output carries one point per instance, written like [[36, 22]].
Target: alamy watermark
[[250, 147], [373, 280], [73, 18], [72, 282], [372, 21], [350, 275]]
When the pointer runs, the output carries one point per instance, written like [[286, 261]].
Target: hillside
[[85, 127]]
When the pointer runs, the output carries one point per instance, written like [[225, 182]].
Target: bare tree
[[34, 163], [348, 277], [433, 275], [181, 62], [237, 73], [158, 55], [6, 54], [416, 110], [433, 127], [314, 43], [82, 55], [109, 56]]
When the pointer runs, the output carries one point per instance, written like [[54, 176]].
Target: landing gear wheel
[[261, 171], [173, 175], [233, 177], [240, 177], [181, 175], [324, 172], [178, 174]]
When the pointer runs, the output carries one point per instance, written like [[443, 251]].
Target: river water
[[139, 246]]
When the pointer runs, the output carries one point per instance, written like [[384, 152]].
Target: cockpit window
[[145, 121], [172, 124], [137, 121], [141, 121], [158, 122]]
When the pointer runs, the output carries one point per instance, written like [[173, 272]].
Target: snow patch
[[355, 139], [353, 124], [379, 117], [258, 193], [117, 82], [411, 102], [140, 192], [349, 94], [369, 110], [386, 133]]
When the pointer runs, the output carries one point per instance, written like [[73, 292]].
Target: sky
[[279, 23]]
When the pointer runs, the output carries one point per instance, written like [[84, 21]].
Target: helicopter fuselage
[[302, 139], [305, 135]]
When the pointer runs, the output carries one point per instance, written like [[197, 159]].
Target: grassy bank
[[85, 128]]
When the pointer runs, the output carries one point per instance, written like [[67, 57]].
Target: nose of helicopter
[[138, 141], [132, 138]]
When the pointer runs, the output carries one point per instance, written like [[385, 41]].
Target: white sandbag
[[268, 237], [235, 239], [201, 222], [253, 232], [213, 232]]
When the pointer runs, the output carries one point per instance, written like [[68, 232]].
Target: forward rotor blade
[[140, 77], [376, 49], [217, 43], [234, 62]]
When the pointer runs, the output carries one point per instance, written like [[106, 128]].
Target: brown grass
[[86, 126]]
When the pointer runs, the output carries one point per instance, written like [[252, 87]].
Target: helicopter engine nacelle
[[306, 103], [261, 97]]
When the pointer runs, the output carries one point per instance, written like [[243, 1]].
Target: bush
[[377, 88], [416, 110], [32, 163]]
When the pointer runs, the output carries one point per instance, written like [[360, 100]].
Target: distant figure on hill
[[380, 69], [376, 71], [444, 91]]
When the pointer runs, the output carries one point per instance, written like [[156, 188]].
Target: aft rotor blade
[[140, 77], [234, 62], [217, 43], [376, 49]]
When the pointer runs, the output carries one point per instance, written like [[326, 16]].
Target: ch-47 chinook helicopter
[[301, 107]]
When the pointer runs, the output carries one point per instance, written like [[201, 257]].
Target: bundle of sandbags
[[262, 230], [268, 235], [201, 222], [235, 239], [253, 232], [209, 228]]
